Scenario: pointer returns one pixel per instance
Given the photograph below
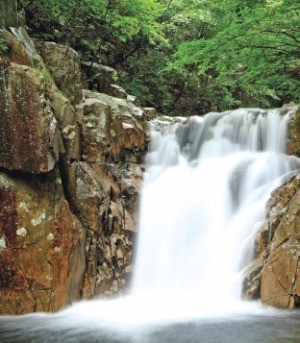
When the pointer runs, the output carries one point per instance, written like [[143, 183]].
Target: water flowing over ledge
[[204, 200]]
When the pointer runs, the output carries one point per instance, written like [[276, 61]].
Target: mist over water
[[205, 190]]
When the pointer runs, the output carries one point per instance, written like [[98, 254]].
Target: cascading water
[[205, 190], [203, 201]]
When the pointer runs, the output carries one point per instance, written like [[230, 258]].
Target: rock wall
[[70, 176]]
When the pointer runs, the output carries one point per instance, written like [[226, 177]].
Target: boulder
[[98, 77], [29, 133], [41, 245], [114, 125], [64, 66], [117, 92]]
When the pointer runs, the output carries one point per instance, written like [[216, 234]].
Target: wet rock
[[150, 113], [278, 246], [251, 288], [28, 128], [36, 60], [41, 246], [17, 52]]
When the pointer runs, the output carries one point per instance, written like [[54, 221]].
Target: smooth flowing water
[[204, 196]]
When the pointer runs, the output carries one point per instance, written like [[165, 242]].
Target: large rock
[[113, 142], [98, 77], [23, 51], [28, 128], [64, 66], [280, 276], [274, 275], [41, 246], [112, 129]]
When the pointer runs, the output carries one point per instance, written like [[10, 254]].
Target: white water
[[201, 209], [203, 201]]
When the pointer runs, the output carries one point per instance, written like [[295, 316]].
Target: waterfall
[[204, 197], [205, 190]]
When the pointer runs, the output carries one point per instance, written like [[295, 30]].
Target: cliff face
[[70, 176]]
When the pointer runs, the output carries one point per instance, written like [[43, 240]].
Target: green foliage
[[185, 56], [3, 46], [252, 54]]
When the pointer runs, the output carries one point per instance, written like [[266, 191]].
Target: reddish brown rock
[[28, 128], [280, 284], [41, 246], [278, 249]]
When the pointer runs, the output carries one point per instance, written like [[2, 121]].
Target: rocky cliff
[[70, 175]]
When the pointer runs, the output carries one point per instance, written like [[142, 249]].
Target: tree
[[252, 55]]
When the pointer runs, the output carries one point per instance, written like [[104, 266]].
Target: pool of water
[[279, 328]]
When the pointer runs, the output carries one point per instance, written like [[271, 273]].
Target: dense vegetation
[[185, 56]]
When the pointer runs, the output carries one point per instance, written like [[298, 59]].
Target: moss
[[47, 76]]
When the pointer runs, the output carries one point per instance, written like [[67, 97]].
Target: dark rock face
[[70, 180]]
